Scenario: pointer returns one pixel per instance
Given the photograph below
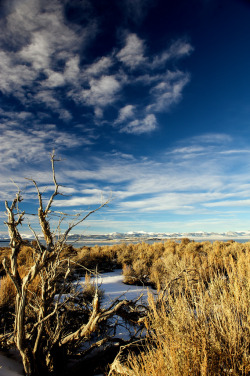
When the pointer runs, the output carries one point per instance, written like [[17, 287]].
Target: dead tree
[[44, 331]]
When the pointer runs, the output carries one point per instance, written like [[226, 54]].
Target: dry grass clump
[[7, 303], [25, 257], [200, 323], [89, 288], [4, 252], [137, 260], [7, 292], [159, 263], [102, 258], [136, 274], [205, 328], [8, 297], [25, 261]]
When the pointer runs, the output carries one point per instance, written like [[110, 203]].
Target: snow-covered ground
[[113, 287], [111, 283], [10, 365]]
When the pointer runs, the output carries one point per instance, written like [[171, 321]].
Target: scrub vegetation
[[199, 321]]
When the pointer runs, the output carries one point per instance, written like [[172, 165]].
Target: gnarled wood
[[41, 332]]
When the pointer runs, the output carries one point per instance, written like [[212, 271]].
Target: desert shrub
[[7, 292], [138, 274], [97, 257], [205, 330], [68, 251], [128, 274], [4, 252], [7, 303], [89, 289], [125, 254]]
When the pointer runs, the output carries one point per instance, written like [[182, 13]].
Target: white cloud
[[16, 116], [72, 71], [146, 125], [37, 52], [41, 63], [143, 187], [42, 44], [229, 203], [212, 138], [167, 202], [173, 185], [98, 112], [47, 97], [180, 48], [235, 151], [87, 197], [168, 91], [177, 50], [102, 91], [132, 55], [33, 143], [55, 79], [125, 113], [64, 115], [14, 75], [100, 67], [189, 150], [165, 87]]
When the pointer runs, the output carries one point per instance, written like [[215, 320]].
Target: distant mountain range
[[143, 236]]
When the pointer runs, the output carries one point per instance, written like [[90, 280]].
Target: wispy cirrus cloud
[[228, 203], [28, 144], [99, 67], [42, 64], [168, 185], [168, 91], [102, 91], [173, 183], [132, 54], [177, 50], [146, 125], [39, 49], [164, 87], [125, 113]]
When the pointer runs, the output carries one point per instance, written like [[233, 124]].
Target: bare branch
[[45, 321], [36, 237], [13, 278], [46, 211], [47, 317], [65, 235], [39, 195], [96, 318]]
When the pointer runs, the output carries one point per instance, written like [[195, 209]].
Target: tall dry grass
[[200, 322], [202, 325]]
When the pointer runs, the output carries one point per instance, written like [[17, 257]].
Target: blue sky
[[147, 99]]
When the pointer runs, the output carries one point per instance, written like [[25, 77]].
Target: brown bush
[[7, 292], [205, 329], [89, 289]]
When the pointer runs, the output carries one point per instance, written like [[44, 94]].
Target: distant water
[[81, 244], [4, 244]]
